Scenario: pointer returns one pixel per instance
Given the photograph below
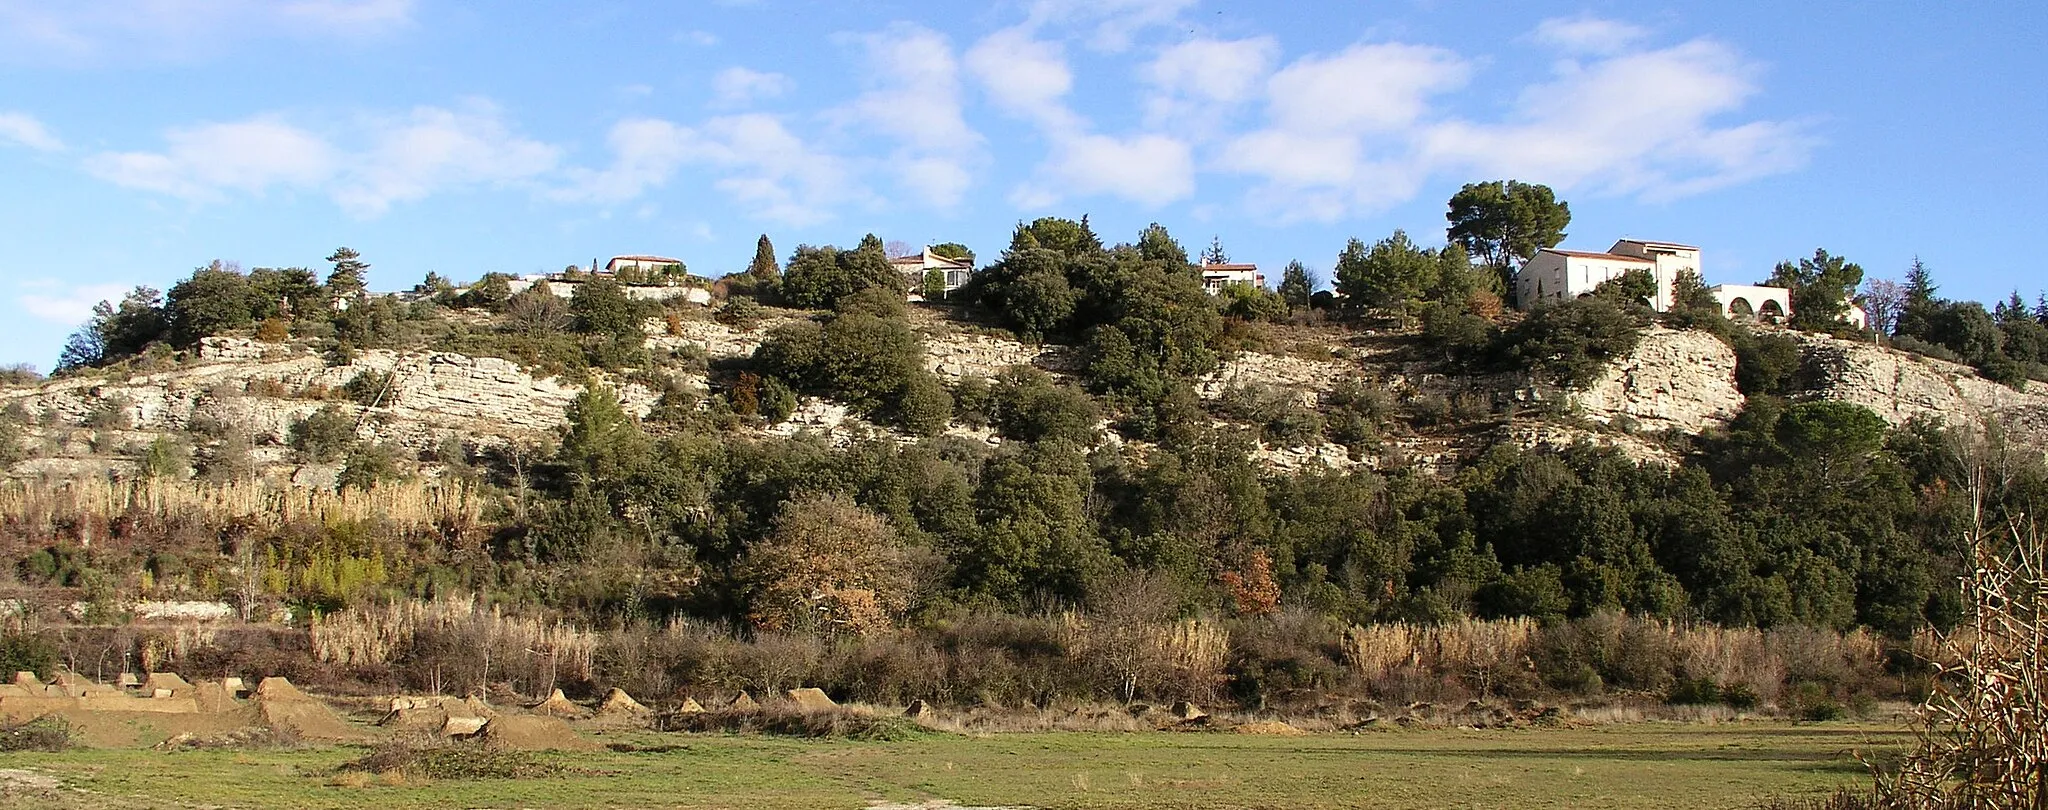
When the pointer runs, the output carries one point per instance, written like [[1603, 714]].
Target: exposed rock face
[[1682, 380], [1899, 387], [264, 389], [953, 356], [1307, 379]]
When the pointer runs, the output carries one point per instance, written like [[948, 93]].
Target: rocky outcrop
[[263, 389], [1306, 379], [953, 355], [1900, 386], [1674, 380]]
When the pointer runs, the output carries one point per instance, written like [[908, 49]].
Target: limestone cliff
[[1674, 380]]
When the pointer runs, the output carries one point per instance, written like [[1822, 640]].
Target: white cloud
[[1587, 35], [738, 86], [1214, 69], [25, 130], [1025, 76], [400, 159], [1110, 24], [1366, 88], [766, 169], [92, 31], [1150, 170], [774, 173], [699, 38], [1641, 123], [1335, 140], [68, 306], [1030, 79], [913, 97], [1197, 84], [201, 162], [646, 153], [435, 150]]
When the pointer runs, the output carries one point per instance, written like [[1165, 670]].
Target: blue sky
[[142, 138]]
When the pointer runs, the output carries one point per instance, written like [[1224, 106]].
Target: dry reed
[[411, 504], [377, 636]]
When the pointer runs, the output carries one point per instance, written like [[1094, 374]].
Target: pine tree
[[347, 279], [764, 267], [1920, 287], [1295, 285], [1214, 253], [2041, 308]]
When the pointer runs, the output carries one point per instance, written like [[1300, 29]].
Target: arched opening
[[1740, 309], [1585, 295], [1771, 312]]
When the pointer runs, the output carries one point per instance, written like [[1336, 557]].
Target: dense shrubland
[[682, 552]]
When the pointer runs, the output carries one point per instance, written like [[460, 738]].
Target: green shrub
[[324, 434], [43, 734], [1740, 696], [1694, 692], [1573, 342], [369, 388], [366, 466], [21, 652], [111, 414], [452, 761]]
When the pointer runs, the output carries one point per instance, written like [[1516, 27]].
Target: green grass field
[[1622, 766]]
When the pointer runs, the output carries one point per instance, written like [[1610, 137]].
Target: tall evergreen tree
[[347, 279], [1295, 285], [764, 266], [1214, 253]]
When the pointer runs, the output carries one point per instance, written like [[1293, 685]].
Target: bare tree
[[1983, 733], [1883, 299]]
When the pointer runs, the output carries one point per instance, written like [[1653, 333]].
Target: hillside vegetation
[[1082, 477]]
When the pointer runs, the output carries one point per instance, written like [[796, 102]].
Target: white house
[[1554, 275], [914, 269], [1215, 277], [1561, 275], [1745, 302], [645, 264]]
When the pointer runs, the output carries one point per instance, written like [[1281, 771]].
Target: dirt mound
[[118, 729], [1269, 728], [215, 696], [168, 681], [281, 706], [28, 680], [445, 716], [917, 708], [618, 702], [24, 709], [743, 702], [811, 699], [1184, 710], [277, 688], [559, 705], [532, 733], [690, 706], [77, 685]]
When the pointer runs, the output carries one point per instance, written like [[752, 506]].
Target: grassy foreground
[[1623, 766]]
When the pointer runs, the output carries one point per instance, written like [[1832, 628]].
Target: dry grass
[[416, 503], [376, 636]]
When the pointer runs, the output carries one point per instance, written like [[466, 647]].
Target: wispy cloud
[[1577, 36], [1642, 123], [92, 31], [67, 306], [913, 98], [739, 86], [22, 129], [389, 158]]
